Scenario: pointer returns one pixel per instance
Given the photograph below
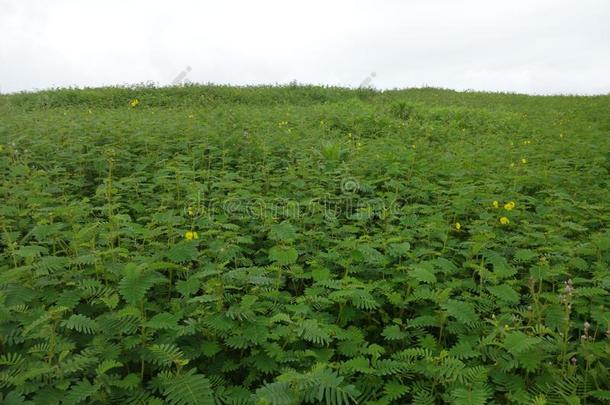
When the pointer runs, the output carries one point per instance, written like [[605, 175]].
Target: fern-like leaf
[[394, 390], [189, 389], [475, 395], [135, 284], [80, 323], [79, 392], [167, 355], [276, 393]]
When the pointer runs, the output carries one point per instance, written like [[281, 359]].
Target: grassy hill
[[300, 244]]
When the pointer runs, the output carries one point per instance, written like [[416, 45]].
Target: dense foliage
[[286, 245]]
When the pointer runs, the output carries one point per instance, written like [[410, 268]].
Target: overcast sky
[[526, 46]]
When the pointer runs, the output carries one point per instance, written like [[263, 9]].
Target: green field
[[300, 244]]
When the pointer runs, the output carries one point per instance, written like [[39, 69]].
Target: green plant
[[299, 244]]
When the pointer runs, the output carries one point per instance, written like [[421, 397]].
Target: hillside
[[300, 244]]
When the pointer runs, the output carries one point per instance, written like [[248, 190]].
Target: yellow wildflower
[[495, 204], [524, 160], [457, 226], [509, 205], [134, 102], [504, 221], [190, 211], [190, 235]]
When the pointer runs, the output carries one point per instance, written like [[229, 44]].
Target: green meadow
[[303, 245]]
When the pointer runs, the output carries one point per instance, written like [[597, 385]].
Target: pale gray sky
[[527, 46]]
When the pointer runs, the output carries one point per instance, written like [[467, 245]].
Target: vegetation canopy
[[300, 244]]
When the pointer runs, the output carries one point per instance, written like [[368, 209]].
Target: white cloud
[[539, 46]]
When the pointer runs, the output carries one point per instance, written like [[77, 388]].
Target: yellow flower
[[134, 102], [190, 211], [504, 221], [509, 205], [457, 226], [524, 160], [495, 204], [190, 235]]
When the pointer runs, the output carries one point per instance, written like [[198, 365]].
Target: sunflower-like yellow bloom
[[495, 204], [457, 226], [504, 221], [134, 102], [509, 205], [190, 235]]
